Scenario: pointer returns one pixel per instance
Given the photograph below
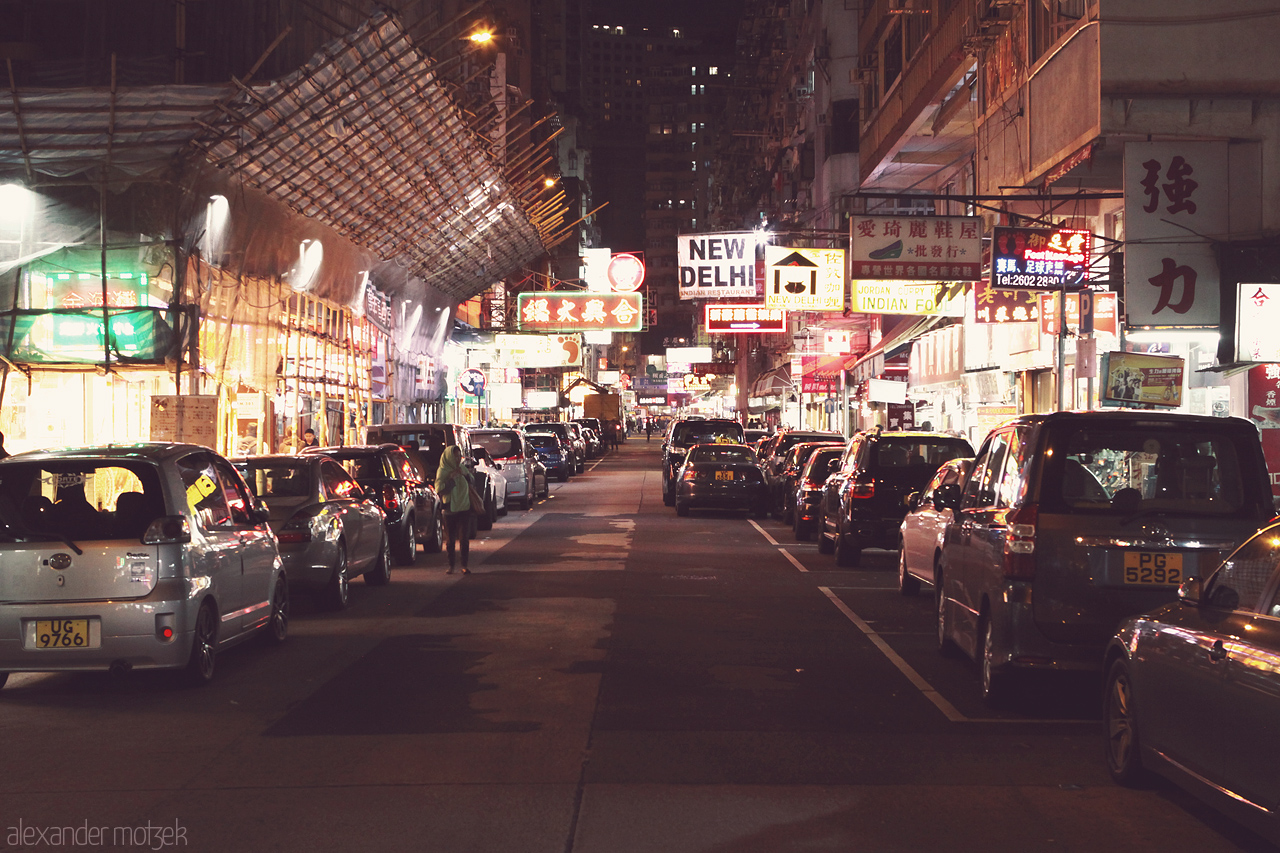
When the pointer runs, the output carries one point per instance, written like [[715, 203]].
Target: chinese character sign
[[1264, 412], [933, 248], [579, 311], [1039, 257], [1175, 200], [741, 318], [1004, 306], [1258, 323], [1104, 313], [804, 279], [717, 266]]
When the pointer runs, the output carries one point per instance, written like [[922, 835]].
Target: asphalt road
[[609, 679]]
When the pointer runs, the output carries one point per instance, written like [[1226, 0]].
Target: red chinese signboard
[[738, 319], [1004, 306], [1104, 313], [928, 248], [1264, 411], [580, 311]]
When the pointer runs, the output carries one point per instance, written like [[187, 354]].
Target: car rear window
[[362, 465], [1146, 467], [501, 445], [79, 500], [279, 481], [705, 432], [820, 465], [912, 453], [727, 454]]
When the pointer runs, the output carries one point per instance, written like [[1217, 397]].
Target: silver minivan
[[146, 556], [1072, 521]]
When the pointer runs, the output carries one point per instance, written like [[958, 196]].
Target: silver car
[[329, 530], [519, 464], [147, 556], [1193, 688]]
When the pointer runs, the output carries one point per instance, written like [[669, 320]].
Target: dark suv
[[685, 434], [403, 491], [865, 498]]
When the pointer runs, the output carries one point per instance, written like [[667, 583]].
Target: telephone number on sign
[[1027, 281]]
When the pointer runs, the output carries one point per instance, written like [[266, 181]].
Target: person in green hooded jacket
[[453, 484]]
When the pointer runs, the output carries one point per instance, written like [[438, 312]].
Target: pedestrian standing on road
[[453, 483], [648, 428], [309, 438]]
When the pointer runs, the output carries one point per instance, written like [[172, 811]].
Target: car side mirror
[[947, 496], [833, 466], [913, 500], [497, 465], [260, 514], [1191, 591]]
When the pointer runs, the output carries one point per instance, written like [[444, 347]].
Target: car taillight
[[690, 476], [1020, 542], [390, 502], [863, 489], [167, 530]]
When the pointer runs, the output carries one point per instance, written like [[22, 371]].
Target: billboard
[[742, 318], [1131, 379], [904, 297], [935, 248], [578, 311], [717, 266], [1257, 319], [804, 279], [1039, 258], [537, 350]]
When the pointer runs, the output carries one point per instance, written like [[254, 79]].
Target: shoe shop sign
[[922, 248]]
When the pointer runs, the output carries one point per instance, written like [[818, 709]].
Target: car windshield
[[501, 445], [79, 499], [820, 465], [279, 480], [907, 452], [722, 453], [706, 432], [1145, 467]]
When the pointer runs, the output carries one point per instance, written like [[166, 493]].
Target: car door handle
[[1217, 651]]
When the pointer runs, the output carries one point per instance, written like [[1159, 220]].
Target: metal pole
[[1060, 366]]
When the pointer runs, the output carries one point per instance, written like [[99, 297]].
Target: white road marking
[[763, 532], [784, 552]]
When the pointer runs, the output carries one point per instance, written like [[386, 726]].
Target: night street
[[610, 678]]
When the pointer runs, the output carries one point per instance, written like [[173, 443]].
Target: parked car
[[595, 446], [721, 476], [1072, 521], [598, 427], [925, 526], [684, 434], [520, 466], [329, 530], [552, 451], [141, 556], [577, 450], [494, 492], [753, 436], [782, 488], [424, 443], [405, 492], [1193, 688], [865, 498], [579, 444], [774, 451], [807, 500]]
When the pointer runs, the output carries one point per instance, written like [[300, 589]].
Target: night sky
[[681, 13]]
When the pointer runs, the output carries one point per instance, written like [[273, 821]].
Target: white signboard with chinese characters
[[804, 279], [190, 419], [1257, 322], [1175, 199], [717, 266], [537, 350], [837, 341], [905, 297], [935, 248]]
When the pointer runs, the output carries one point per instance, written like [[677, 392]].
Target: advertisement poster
[[1264, 412], [1132, 379], [936, 248]]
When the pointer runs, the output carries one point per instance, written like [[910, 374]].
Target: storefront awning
[[773, 383], [871, 364]]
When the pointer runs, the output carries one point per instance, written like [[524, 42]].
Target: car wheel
[[485, 519], [682, 509], [1124, 755], [278, 622], [564, 476], [506, 507], [996, 684], [669, 498], [338, 590], [204, 646], [788, 512], [380, 574], [407, 552], [799, 529], [433, 545], [946, 647], [908, 584], [848, 553], [825, 545]]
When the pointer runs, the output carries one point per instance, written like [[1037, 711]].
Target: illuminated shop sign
[[736, 319], [934, 248], [804, 279], [1133, 379], [1257, 319], [1039, 258], [538, 350], [717, 266], [902, 297], [581, 311]]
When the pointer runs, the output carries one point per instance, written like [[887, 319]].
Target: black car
[[721, 476], [683, 435], [402, 490], [782, 485], [806, 498], [773, 452], [552, 452], [865, 498]]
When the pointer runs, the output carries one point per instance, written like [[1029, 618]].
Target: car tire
[[563, 476], [669, 498], [380, 573], [908, 584], [799, 529], [682, 509], [788, 512], [278, 622], [485, 519], [407, 548], [848, 552], [997, 684], [4, 676], [436, 542], [202, 661], [337, 592], [1123, 748], [946, 647]]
